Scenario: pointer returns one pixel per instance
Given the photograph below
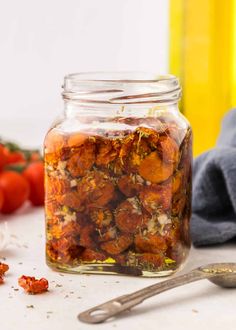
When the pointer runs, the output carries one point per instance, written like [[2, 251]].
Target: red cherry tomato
[[1, 199], [15, 157], [34, 173], [3, 156], [35, 156], [15, 190]]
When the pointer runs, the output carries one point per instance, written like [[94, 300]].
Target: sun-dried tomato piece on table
[[33, 286], [3, 268]]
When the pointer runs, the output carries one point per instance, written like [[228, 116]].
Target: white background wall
[[41, 41]]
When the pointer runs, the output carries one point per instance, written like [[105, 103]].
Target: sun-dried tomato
[[54, 230], [3, 268], [156, 197], [106, 233], [54, 143], [176, 133], [168, 149], [185, 229], [92, 255], [33, 286], [70, 199], [154, 259], [82, 159], [70, 229], [95, 189], [129, 216], [117, 245], [152, 243], [53, 220], [171, 233], [186, 154], [178, 204], [51, 207], [177, 252], [86, 236], [101, 217], [130, 184], [154, 169], [64, 250], [76, 140], [177, 181], [56, 187], [136, 146], [106, 150]]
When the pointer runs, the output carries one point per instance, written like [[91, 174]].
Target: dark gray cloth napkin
[[214, 189]]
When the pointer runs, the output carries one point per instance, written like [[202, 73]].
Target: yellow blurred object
[[203, 55]]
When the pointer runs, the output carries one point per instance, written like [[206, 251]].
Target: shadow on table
[[212, 291]]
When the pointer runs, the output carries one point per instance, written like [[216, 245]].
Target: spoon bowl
[[224, 274]]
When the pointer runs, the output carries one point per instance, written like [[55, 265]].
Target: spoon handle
[[115, 306]]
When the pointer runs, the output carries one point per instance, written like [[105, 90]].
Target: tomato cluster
[[21, 177]]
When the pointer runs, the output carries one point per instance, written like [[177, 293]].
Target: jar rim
[[121, 87], [119, 76]]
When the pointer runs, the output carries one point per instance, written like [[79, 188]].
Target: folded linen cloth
[[214, 189]]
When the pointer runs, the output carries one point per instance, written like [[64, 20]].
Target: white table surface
[[200, 305]]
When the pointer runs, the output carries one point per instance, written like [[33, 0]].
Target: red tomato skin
[[34, 174], [15, 157], [35, 156], [1, 199], [15, 189], [3, 157]]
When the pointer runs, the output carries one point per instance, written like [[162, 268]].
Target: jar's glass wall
[[118, 189]]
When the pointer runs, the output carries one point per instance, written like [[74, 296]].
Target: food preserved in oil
[[119, 197]]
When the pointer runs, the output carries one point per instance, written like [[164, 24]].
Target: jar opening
[[121, 88]]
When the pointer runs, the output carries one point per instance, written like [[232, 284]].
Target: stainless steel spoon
[[221, 274]]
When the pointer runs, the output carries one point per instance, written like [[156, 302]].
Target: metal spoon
[[221, 274]]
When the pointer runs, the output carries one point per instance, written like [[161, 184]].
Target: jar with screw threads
[[118, 176]]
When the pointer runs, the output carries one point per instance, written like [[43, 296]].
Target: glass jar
[[118, 176]]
